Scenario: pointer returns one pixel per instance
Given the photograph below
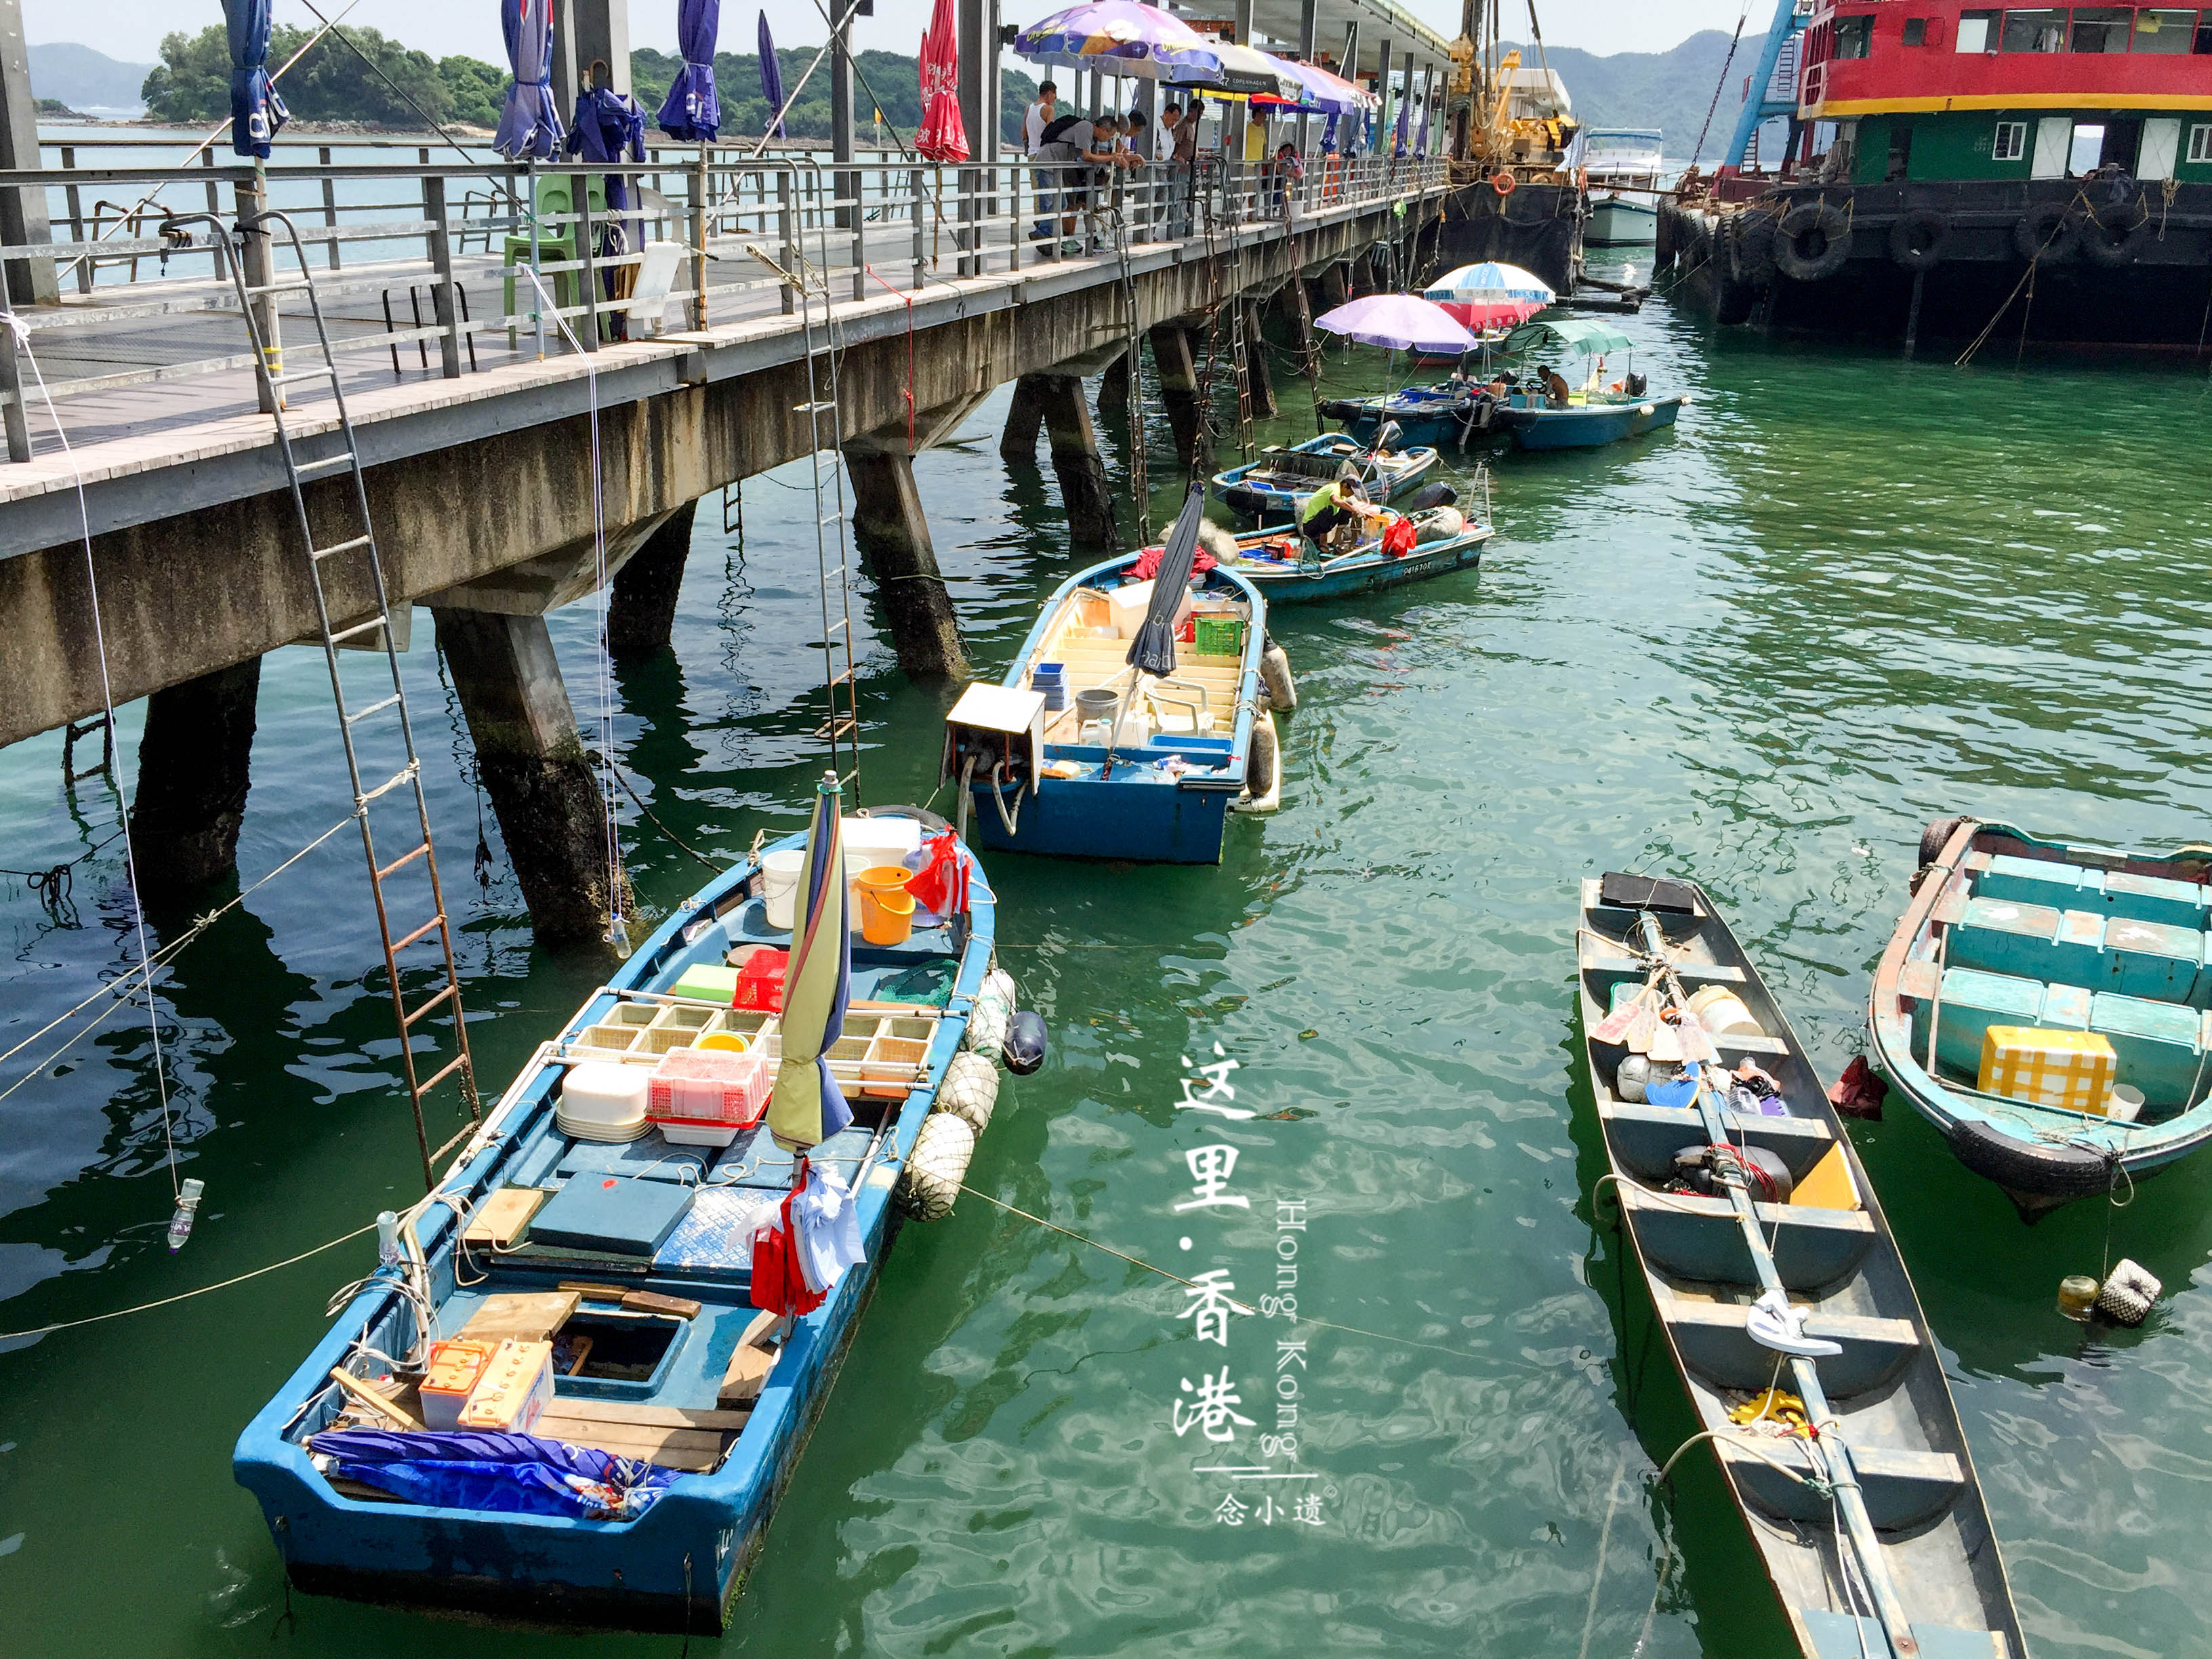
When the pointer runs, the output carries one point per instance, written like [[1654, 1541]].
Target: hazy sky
[[132, 29]]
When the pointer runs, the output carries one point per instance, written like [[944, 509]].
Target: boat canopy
[[1573, 333]]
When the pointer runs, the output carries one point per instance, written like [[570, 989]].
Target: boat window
[[1977, 30], [1916, 31], [2200, 144], [2166, 32], [2011, 143], [1854, 36], [1900, 151], [2033, 30], [2203, 35], [2088, 146], [2098, 28]]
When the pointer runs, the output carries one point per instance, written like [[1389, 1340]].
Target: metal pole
[[253, 256], [11, 386], [330, 207], [442, 301], [694, 184]]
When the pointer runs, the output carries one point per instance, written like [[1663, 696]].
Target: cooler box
[[760, 982], [2070, 1069], [516, 1389], [456, 1368]]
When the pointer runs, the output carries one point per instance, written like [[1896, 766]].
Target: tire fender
[[1917, 238]]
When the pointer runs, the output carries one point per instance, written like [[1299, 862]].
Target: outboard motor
[[1432, 495], [1387, 439], [1638, 384]]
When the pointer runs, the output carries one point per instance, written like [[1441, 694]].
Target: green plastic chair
[[556, 244]]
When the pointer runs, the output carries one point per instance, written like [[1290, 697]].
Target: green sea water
[[1846, 595]]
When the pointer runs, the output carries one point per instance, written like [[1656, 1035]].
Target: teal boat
[[1597, 410], [1769, 1265], [2008, 929], [1268, 489], [1283, 567]]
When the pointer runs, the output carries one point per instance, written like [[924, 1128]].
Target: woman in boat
[[1339, 502]]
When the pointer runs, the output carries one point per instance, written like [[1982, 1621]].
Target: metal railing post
[[859, 235], [581, 201], [1016, 226], [330, 207], [254, 261], [695, 186], [787, 232], [920, 210], [442, 304], [77, 222], [11, 387], [214, 206]]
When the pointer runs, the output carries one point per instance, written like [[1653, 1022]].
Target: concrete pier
[[893, 536], [1259, 381], [1024, 420], [1113, 389], [542, 786], [1075, 459], [193, 775], [641, 611], [1179, 391]]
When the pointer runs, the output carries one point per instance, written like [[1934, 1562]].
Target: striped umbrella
[[807, 1107], [1121, 37]]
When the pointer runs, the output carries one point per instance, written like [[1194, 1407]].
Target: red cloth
[[1147, 564], [942, 138], [779, 1286], [1858, 1092], [941, 883]]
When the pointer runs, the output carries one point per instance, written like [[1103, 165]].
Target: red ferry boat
[[2045, 169]]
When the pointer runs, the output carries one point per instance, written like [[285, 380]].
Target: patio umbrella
[[1121, 37], [256, 110], [1321, 93], [1581, 334], [807, 1107], [1245, 69], [1403, 322], [1489, 280], [692, 111], [942, 138], [771, 73], [529, 125], [1153, 649]]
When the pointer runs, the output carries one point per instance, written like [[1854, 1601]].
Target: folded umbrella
[[692, 111], [529, 124], [771, 74], [1153, 649], [806, 1107]]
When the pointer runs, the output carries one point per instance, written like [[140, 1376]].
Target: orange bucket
[[886, 914]]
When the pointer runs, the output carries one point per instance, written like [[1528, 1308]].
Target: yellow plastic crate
[[2069, 1069]]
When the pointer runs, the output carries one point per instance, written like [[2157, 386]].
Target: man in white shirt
[[1035, 120]]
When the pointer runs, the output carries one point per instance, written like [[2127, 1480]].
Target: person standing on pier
[[1035, 120]]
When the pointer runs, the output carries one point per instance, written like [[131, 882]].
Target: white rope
[[186, 1296], [22, 334]]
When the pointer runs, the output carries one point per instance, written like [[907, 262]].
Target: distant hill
[[1670, 90], [85, 79]]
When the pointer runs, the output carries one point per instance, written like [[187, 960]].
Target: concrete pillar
[[1024, 420], [193, 775], [1383, 112], [22, 212], [1259, 384], [602, 36], [893, 534], [1334, 289], [1178, 376], [642, 610], [840, 121], [533, 766], [1083, 490], [1407, 93], [566, 70], [1114, 385], [979, 77]]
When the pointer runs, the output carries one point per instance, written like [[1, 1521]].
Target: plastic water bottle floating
[[180, 1225]]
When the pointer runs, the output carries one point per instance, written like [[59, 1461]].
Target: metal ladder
[[840, 726], [353, 550]]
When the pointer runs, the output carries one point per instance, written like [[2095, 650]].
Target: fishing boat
[[2089, 960], [1784, 1301], [567, 1397], [1267, 490], [1130, 722], [1455, 411], [1620, 177], [1596, 411], [1283, 566]]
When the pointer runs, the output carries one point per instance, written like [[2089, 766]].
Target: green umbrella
[[1571, 333]]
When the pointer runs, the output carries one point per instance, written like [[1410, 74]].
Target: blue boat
[[1282, 566], [2006, 928], [1455, 412], [1593, 413], [684, 1466], [1117, 763], [1268, 489]]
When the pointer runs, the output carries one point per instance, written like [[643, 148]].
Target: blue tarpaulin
[[692, 111], [256, 110], [496, 1473]]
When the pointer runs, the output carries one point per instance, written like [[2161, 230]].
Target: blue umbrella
[[692, 111], [529, 125], [771, 78], [256, 110], [1421, 144]]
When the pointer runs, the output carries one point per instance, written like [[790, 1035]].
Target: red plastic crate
[[760, 982], [709, 1086]]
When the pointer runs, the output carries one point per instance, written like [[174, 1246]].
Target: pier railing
[[441, 267]]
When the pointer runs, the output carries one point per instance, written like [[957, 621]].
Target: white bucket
[[780, 886]]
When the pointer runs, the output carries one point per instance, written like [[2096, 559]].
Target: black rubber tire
[[2048, 234], [2042, 1169], [1917, 238], [2116, 237], [1752, 246], [1812, 242], [1933, 837]]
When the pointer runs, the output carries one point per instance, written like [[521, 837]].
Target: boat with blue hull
[[1081, 752], [2103, 947], [676, 1418], [1456, 413], [1269, 489], [1772, 1271], [1556, 414], [1591, 418], [1283, 566]]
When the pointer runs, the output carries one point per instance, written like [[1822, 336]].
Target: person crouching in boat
[[1332, 516]]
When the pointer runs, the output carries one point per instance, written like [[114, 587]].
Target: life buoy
[[1917, 238], [2116, 236], [1812, 242], [1502, 182], [2048, 234]]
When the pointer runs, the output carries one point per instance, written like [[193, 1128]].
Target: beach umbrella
[[256, 110], [771, 73], [1581, 334], [1403, 322], [1242, 70], [529, 125], [1321, 93], [942, 138], [806, 1107], [1153, 649], [1489, 280], [1121, 37], [692, 111]]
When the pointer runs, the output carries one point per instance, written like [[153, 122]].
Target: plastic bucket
[[1722, 1012], [1095, 704], [780, 886], [886, 914]]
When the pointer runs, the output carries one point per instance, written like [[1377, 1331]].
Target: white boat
[[1620, 168]]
